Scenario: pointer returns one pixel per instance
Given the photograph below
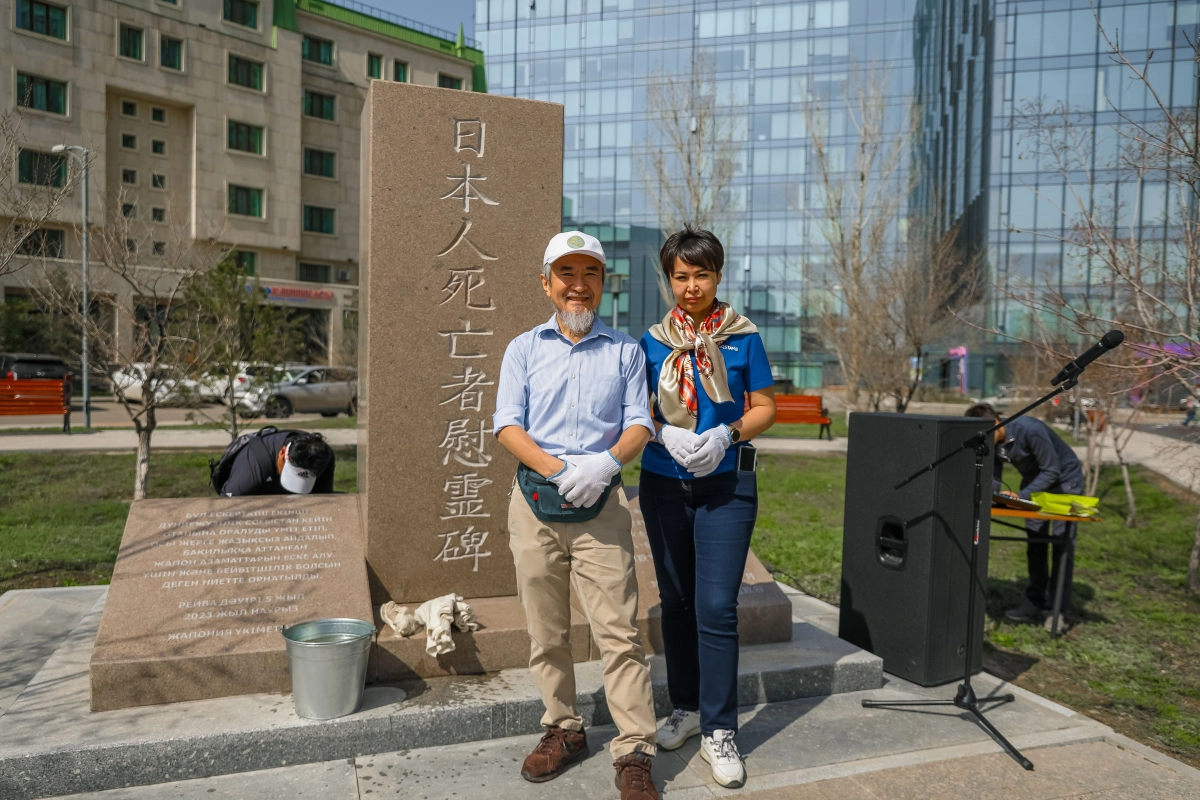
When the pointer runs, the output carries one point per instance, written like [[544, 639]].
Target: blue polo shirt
[[749, 371]]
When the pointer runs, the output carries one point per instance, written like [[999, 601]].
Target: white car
[[214, 384], [172, 389]]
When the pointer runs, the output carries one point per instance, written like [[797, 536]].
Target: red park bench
[[32, 396], [803, 409]]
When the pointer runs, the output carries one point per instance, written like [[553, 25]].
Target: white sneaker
[[720, 751], [677, 729]]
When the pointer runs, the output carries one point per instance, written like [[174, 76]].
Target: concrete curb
[[52, 744]]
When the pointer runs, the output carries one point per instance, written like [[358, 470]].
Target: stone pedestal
[[461, 193], [203, 586]]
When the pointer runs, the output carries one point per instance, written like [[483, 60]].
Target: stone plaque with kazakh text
[[462, 192], [203, 586]]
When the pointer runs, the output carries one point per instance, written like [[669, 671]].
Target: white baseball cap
[[295, 479], [569, 242]]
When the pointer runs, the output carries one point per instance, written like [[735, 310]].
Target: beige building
[[239, 118]]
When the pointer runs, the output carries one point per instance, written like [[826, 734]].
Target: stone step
[[52, 744]]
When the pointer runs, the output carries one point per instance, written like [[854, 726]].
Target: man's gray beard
[[577, 322]]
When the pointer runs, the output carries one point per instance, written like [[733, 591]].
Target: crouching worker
[[272, 461], [572, 406]]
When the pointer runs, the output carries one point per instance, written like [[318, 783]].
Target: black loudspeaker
[[906, 553]]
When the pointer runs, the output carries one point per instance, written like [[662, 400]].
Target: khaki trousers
[[600, 553]]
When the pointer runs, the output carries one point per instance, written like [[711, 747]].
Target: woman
[[704, 361]]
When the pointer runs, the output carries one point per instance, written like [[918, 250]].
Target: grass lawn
[[62, 514], [1132, 661]]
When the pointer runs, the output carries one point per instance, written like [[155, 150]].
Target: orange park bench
[[803, 409], [33, 396]]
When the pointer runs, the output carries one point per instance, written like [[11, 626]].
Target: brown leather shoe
[[557, 749], [633, 777]]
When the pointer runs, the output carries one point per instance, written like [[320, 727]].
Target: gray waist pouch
[[549, 505]]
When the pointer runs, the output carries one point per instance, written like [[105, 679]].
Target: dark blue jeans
[[699, 532]]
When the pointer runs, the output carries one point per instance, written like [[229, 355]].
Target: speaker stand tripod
[[966, 698]]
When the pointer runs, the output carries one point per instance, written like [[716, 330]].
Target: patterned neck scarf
[[677, 395]]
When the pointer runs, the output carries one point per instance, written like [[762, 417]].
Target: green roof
[[285, 17]]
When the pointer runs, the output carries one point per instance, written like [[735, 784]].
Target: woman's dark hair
[[697, 247], [310, 451]]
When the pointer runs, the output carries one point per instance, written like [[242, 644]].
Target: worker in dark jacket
[[1046, 464], [283, 462]]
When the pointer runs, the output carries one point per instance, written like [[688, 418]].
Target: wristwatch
[[735, 435]]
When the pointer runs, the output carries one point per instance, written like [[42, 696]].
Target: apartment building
[[238, 119]]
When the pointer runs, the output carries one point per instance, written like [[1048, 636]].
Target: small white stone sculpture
[[436, 616]]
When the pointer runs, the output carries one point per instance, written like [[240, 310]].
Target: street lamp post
[[81, 155]]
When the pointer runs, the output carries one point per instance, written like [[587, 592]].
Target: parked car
[[173, 388], [328, 391], [19, 366], [214, 384]]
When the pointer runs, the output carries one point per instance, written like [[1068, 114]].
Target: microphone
[[1073, 368]]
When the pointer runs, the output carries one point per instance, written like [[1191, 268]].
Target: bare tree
[[691, 153], [149, 334], [237, 327], [862, 190], [33, 187], [1130, 235]]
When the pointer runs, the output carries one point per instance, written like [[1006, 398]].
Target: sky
[[447, 14]]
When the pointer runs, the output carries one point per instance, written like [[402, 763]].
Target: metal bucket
[[328, 660]]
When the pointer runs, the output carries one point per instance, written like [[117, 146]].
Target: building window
[[314, 273], [43, 242], [129, 109], [318, 220], [245, 261], [318, 162], [41, 169], [131, 42], [158, 181], [318, 50], [160, 248], [374, 65], [245, 201], [400, 72], [158, 115], [129, 176], [158, 214], [247, 138], [42, 94], [128, 141], [131, 245], [242, 12], [318, 105], [129, 211], [158, 147], [43, 18], [170, 52], [244, 72], [449, 82]]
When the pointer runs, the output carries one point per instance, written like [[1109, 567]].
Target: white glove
[[680, 442], [713, 444], [565, 478], [590, 478]]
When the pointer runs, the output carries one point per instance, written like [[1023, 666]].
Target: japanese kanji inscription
[[463, 192]]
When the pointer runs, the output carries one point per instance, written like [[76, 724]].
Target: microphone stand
[[966, 699]]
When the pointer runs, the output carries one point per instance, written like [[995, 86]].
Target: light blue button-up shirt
[[573, 399]]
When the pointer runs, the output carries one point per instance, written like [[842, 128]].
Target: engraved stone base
[[202, 587]]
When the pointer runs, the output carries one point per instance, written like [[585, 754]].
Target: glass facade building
[[966, 63], [1053, 53]]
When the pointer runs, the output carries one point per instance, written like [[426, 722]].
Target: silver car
[[327, 391]]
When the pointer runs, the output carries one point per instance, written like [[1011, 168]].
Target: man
[[1046, 464], [275, 462], [572, 406]]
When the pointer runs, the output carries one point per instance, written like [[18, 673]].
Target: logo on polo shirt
[[575, 241], [729, 347]]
